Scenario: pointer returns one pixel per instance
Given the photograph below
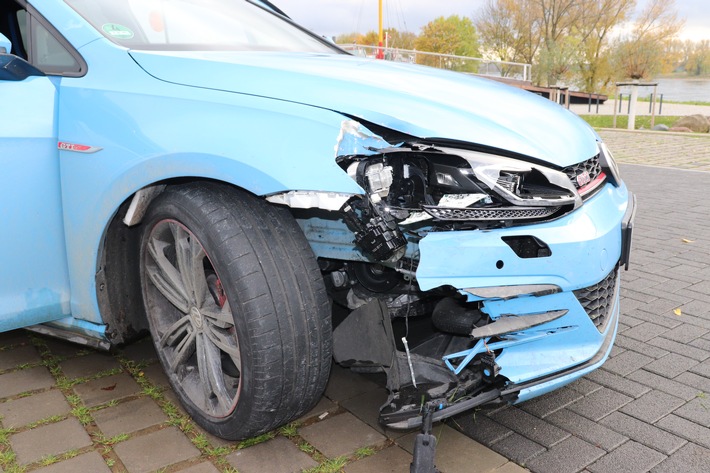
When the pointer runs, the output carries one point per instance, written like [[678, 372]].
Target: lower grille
[[598, 300], [500, 213]]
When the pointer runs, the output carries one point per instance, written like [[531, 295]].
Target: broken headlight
[[415, 185]]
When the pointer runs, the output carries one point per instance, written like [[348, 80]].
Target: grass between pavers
[[105, 446], [642, 121]]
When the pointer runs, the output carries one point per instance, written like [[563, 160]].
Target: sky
[[334, 17]]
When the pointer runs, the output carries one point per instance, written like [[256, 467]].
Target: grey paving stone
[[25, 410], [584, 386], [510, 467], [671, 365], [344, 384], [683, 349], [689, 459], [455, 453], [17, 356], [618, 383], [685, 333], [627, 362], [53, 439], [366, 407], [390, 460], [568, 456], [666, 385], [639, 347], [277, 455], [702, 383], [88, 365], [14, 337], [517, 448], [481, 427], [599, 404], [703, 369], [645, 331], [585, 429], [340, 435], [63, 348], [141, 351], [631, 457], [99, 391], [204, 467], [155, 374], [652, 406], [16, 382], [129, 417], [651, 312], [88, 462], [144, 453], [701, 343], [691, 431], [697, 410], [643, 432], [545, 405], [323, 406], [530, 426], [617, 350]]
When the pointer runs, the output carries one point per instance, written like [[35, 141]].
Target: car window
[[197, 25], [47, 53]]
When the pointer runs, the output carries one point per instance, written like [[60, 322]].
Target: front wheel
[[236, 306]]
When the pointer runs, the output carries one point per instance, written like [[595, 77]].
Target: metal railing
[[472, 65]]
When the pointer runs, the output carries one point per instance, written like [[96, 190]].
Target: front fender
[[161, 131]]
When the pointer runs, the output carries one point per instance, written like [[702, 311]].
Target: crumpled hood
[[420, 101]]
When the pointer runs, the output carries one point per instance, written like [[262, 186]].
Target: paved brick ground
[[64, 409], [648, 407]]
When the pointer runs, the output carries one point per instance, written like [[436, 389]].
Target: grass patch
[[364, 452], [256, 440], [330, 466], [642, 121], [290, 430]]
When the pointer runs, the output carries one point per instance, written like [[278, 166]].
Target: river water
[[681, 90]]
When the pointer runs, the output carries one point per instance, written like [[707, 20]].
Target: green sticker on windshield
[[117, 31]]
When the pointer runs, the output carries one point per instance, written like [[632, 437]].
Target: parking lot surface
[[64, 408]]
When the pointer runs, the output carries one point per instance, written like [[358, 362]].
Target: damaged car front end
[[468, 274]]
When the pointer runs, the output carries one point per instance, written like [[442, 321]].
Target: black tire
[[246, 339]]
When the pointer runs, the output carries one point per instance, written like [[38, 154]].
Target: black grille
[[495, 213], [598, 300], [592, 166]]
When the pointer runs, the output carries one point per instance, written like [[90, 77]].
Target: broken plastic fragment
[[677, 311], [355, 139], [685, 240]]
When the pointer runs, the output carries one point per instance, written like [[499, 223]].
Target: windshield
[[233, 25]]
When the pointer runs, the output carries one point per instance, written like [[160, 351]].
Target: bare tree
[[598, 19], [643, 52], [510, 30]]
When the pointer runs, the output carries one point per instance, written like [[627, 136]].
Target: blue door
[[34, 282]]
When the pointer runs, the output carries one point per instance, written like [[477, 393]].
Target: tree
[[598, 19], [698, 62], [454, 35], [509, 30], [370, 38], [642, 53], [400, 39]]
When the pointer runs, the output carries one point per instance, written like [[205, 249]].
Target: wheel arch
[[117, 281]]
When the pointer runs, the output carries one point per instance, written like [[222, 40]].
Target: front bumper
[[587, 248]]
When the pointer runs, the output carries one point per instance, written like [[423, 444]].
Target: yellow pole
[[380, 52]]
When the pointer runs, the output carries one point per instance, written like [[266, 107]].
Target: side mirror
[[14, 68], [5, 44]]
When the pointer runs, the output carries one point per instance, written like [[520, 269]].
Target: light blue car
[[261, 202]]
